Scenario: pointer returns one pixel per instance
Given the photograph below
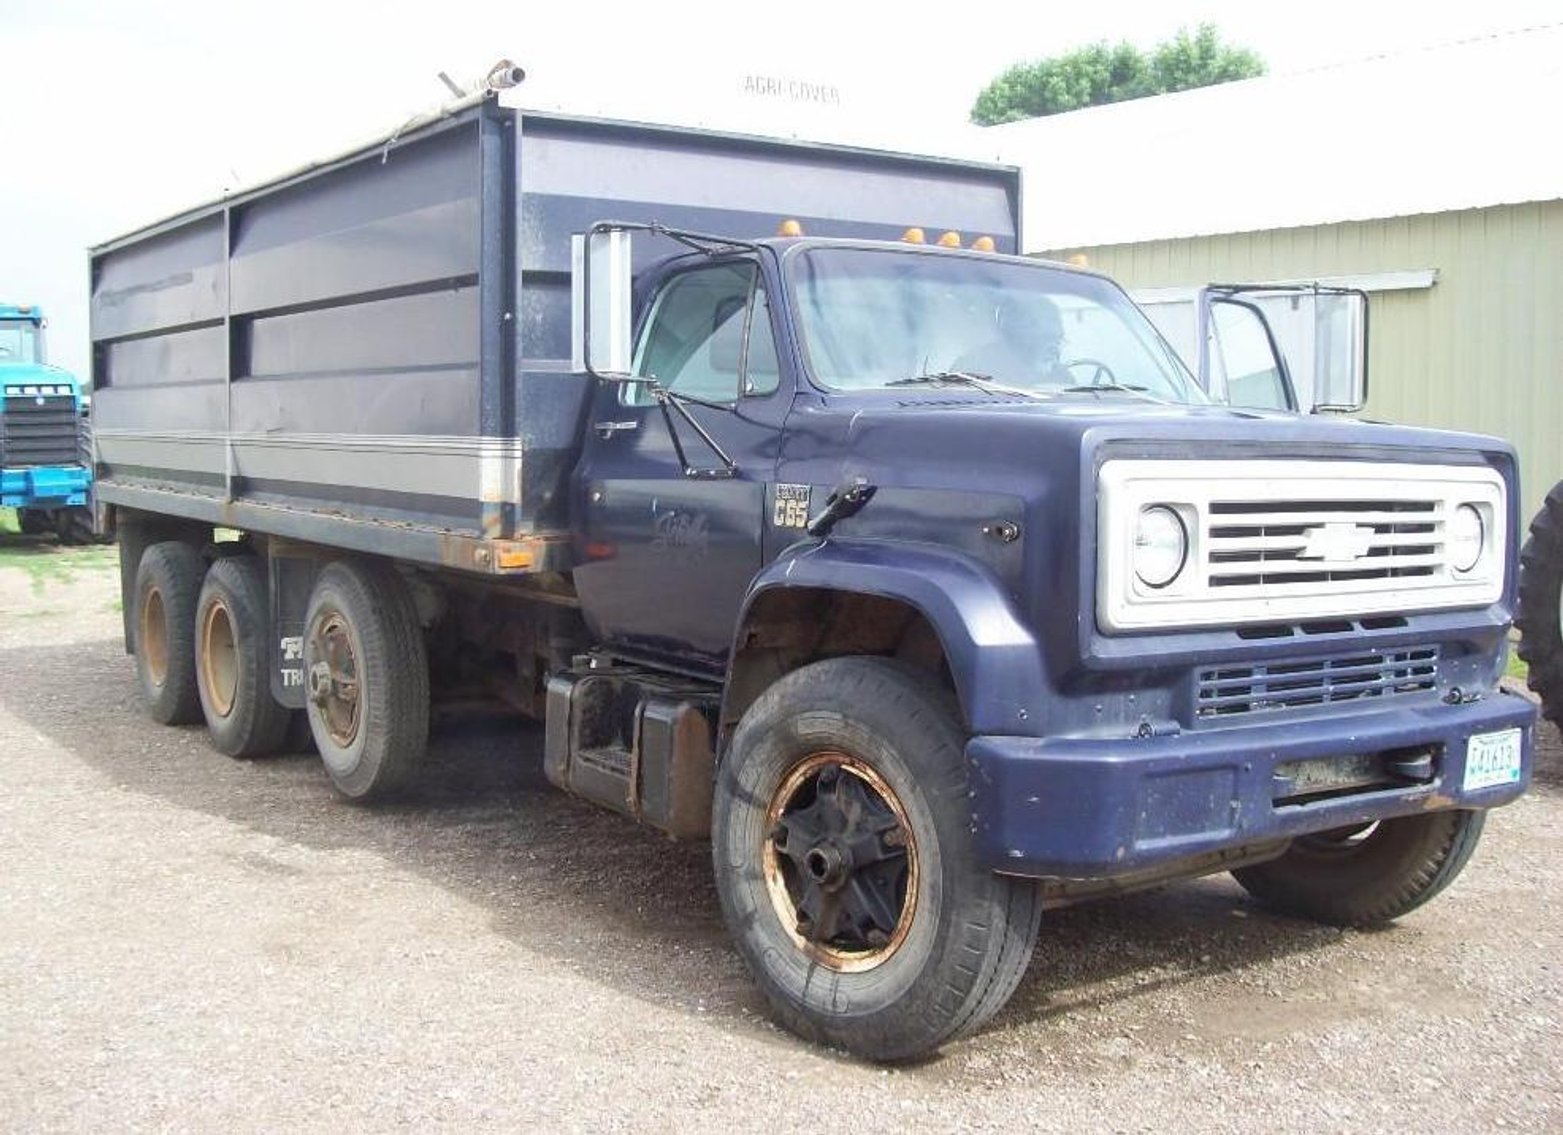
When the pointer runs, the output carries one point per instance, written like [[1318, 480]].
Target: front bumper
[[44, 486], [1099, 808]]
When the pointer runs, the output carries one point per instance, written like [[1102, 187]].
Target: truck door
[[672, 532], [1298, 346]]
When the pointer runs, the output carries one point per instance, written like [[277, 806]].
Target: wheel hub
[[333, 678], [153, 643], [840, 862], [827, 866], [219, 659]]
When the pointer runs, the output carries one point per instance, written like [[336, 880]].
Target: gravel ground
[[190, 942]]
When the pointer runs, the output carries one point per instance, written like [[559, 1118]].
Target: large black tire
[[232, 651], [33, 522], [366, 671], [168, 583], [74, 526], [1540, 619], [932, 943], [1368, 877]]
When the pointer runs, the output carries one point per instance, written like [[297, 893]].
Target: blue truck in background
[[919, 577], [45, 447]]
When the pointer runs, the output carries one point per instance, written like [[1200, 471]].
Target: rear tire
[[1352, 878], [366, 674], [845, 863], [33, 522], [168, 583], [232, 660], [74, 527], [1539, 618]]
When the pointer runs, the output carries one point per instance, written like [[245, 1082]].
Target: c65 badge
[[791, 508]]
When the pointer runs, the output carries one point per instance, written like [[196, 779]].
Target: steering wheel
[[1101, 373]]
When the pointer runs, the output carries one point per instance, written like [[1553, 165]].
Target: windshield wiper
[[962, 378], [1115, 388]]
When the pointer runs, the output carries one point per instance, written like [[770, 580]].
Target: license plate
[[1492, 758]]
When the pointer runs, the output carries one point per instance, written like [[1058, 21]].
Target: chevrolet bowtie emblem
[[1336, 543]]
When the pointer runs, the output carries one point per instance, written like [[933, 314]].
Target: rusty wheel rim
[[840, 862], [219, 658], [334, 685], [154, 636]]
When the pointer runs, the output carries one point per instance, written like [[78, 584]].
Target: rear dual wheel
[[168, 585], [366, 675], [232, 660]]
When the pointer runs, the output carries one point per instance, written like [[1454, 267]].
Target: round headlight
[[1467, 534], [1161, 546]]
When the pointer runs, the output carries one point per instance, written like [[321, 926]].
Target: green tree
[[1101, 73]]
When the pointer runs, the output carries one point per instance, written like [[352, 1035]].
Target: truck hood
[[1005, 446], [1013, 488]]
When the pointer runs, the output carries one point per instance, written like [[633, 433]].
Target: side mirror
[[1340, 352], [601, 302]]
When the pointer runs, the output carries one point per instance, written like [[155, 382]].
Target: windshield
[[19, 341], [875, 318]]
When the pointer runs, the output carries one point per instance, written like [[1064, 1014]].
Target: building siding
[[1482, 349]]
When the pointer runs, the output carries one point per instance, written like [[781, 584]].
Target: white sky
[[120, 113]]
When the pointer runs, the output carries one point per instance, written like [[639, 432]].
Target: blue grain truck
[[45, 451], [918, 577]]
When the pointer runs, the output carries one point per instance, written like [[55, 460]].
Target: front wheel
[[1369, 874], [845, 864]]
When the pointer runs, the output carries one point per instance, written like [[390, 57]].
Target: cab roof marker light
[[983, 244], [914, 235], [789, 227], [950, 240]]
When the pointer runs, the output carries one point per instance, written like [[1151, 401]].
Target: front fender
[[993, 656]]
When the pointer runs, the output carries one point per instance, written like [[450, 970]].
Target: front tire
[[846, 868], [1366, 876], [232, 654], [1540, 615], [168, 582], [366, 672]]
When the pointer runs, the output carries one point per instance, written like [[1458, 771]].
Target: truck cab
[[45, 464]]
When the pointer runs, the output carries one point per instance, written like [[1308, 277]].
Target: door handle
[[608, 429]]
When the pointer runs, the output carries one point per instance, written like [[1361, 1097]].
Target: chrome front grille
[[1280, 544], [1272, 542], [1228, 690]]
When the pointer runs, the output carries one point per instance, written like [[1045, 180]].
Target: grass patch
[[48, 565], [1516, 667], [9, 525]]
